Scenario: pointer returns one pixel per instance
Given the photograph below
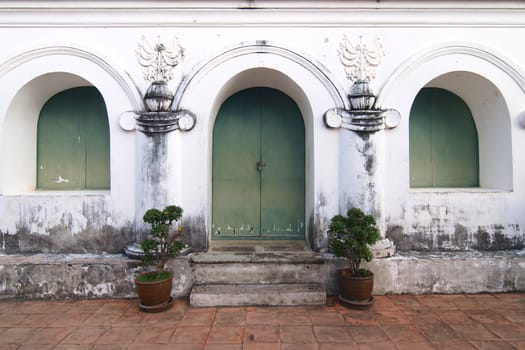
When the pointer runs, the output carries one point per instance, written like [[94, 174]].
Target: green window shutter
[[443, 141], [73, 141]]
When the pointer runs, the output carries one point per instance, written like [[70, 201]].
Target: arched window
[[443, 141], [73, 141]]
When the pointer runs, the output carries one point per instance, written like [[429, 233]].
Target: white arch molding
[[486, 81], [259, 64], [29, 79]]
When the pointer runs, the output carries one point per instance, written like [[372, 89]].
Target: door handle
[[260, 165]]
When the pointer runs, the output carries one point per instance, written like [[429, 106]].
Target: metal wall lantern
[[360, 64]]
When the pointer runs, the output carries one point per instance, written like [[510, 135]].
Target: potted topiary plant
[[350, 237], [164, 243]]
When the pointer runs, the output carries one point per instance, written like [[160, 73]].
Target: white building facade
[[436, 193]]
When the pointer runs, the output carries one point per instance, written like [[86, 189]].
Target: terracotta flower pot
[[154, 293], [355, 291]]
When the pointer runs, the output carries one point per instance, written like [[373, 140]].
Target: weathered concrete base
[[450, 272], [257, 294], [61, 276]]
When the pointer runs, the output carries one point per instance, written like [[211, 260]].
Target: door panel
[[236, 185], [282, 150], [258, 167]]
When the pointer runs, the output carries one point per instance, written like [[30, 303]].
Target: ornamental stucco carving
[[159, 59], [360, 62]]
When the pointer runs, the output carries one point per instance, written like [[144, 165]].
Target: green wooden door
[[73, 141], [258, 167], [443, 141]]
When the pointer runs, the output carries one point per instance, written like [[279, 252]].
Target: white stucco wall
[[469, 48]]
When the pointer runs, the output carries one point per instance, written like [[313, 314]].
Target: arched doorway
[[258, 175]]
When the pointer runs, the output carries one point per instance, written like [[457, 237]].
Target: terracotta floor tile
[[185, 346], [327, 318], [406, 302], [36, 347], [294, 309], [223, 346], [436, 302], [70, 320], [404, 334], [415, 346], [8, 306], [338, 346], [154, 335], [119, 335], [190, 335], [507, 331], [131, 319], [454, 317], [86, 306], [297, 334], [391, 318], [49, 335], [84, 335], [262, 318], [117, 306], [230, 318], [109, 347], [487, 316], [513, 301], [233, 309], [148, 347], [368, 334], [492, 345], [18, 335], [103, 319], [294, 319], [518, 344], [384, 303], [332, 334], [198, 317], [261, 334], [38, 320], [164, 319], [226, 335], [473, 331], [11, 320], [72, 347], [261, 346], [516, 316], [382, 345], [296, 346], [405, 322], [439, 333], [361, 318], [471, 304], [46, 307], [422, 317], [454, 345]]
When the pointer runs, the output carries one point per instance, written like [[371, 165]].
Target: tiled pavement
[[481, 321]]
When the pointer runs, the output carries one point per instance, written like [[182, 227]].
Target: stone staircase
[[257, 277]]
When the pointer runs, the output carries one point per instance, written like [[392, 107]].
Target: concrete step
[[267, 268], [257, 294]]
